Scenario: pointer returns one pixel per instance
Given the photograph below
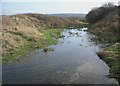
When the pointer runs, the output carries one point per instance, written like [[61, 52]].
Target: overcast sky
[[60, 0], [52, 6]]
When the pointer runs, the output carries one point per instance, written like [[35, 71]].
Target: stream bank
[[73, 61]]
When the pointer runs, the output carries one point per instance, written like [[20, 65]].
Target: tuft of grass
[[80, 44], [70, 32], [77, 33], [48, 49], [109, 59]]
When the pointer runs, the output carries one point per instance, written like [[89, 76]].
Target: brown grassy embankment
[[24, 32]]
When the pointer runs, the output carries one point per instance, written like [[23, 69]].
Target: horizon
[[60, 1], [11, 8]]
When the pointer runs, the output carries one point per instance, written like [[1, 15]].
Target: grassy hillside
[[104, 23], [107, 27], [24, 32]]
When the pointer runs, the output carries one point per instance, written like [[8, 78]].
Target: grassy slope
[[105, 29], [40, 43], [24, 32]]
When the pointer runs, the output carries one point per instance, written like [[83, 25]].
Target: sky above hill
[[60, 0], [51, 6]]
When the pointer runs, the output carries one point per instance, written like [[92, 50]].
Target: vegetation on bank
[[111, 56], [31, 44], [48, 49], [104, 24]]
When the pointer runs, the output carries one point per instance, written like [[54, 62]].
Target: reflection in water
[[73, 60]]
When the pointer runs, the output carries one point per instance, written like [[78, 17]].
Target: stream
[[73, 61]]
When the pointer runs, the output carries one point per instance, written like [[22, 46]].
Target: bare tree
[[108, 5]]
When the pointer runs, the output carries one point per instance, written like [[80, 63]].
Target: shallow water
[[73, 61]]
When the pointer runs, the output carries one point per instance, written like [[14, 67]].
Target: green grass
[[31, 45]]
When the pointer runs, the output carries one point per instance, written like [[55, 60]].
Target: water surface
[[73, 61]]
